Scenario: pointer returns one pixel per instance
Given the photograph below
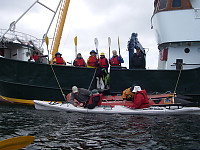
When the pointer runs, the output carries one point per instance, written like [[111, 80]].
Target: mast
[[59, 27]]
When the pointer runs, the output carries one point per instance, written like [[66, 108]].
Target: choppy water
[[60, 130]]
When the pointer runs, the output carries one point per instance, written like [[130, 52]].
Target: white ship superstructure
[[19, 46], [177, 27]]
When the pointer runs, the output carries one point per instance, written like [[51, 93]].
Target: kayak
[[116, 109]]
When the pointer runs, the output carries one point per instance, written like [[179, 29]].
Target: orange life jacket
[[80, 62], [92, 61], [59, 61], [102, 62], [128, 94], [114, 61]]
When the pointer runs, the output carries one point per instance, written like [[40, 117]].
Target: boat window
[[176, 3], [163, 4]]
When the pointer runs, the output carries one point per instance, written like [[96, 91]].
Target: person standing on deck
[[58, 60], [79, 96], [102, 72], [35, 57], [79, 61], [103, 62], [92, 61], [137, 60], [116, 60]]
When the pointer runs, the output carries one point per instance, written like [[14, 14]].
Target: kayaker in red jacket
[[140, 98]]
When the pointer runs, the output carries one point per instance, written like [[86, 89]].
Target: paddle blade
[[118, 42], [75, 41], [96, 43], [47, 40], [16, 142], [109, 41]]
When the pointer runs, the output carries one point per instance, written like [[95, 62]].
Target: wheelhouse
[[166, 5]]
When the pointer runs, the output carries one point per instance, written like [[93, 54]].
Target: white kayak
[[44, 105]]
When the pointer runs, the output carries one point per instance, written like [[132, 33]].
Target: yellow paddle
[[75, 42], [16, 142]]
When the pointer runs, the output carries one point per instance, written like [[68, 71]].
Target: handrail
[[23, 37]]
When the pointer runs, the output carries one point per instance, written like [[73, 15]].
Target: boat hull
[[29, 81], [42, 105], [157, 80], [32, 81]]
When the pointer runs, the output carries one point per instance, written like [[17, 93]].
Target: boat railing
[[197, 13], [21, 37]]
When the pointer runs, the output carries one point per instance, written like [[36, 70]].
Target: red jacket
[[80, 62], [92, 61], [114, 61], [35, 57], [59, 61], [140, 100], [102, 62]]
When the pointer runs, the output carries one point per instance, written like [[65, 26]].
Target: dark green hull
[[24, 80], [158, 81], [29, 81]]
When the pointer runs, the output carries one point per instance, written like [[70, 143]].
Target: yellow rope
[[57, 81], [178, 78]]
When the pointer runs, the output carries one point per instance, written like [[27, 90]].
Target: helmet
[[58, 54], [102, 54], [137, 88], [93, 51]]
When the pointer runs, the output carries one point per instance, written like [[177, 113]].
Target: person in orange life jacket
[[137, 60], [35, 57], [128, 94], [79, 96], [79, 61], [58, 60], [103, 62], [140, 98], [95, 99], [116, 60], [92, 61], [102, 71]]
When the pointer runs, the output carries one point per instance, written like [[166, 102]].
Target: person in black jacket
[[137, 60]]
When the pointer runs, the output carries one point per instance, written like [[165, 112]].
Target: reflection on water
[[61, 130]]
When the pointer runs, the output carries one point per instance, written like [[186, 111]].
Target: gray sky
[[88, 19]]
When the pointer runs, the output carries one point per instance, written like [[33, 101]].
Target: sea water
[[63, 131]]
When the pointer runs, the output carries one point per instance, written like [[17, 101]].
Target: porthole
[[187, 50]]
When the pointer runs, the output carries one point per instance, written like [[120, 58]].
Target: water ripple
[[60, 130]]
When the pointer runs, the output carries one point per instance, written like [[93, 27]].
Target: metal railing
[[21, 37]]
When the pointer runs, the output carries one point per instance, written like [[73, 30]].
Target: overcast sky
[[88, 19]]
